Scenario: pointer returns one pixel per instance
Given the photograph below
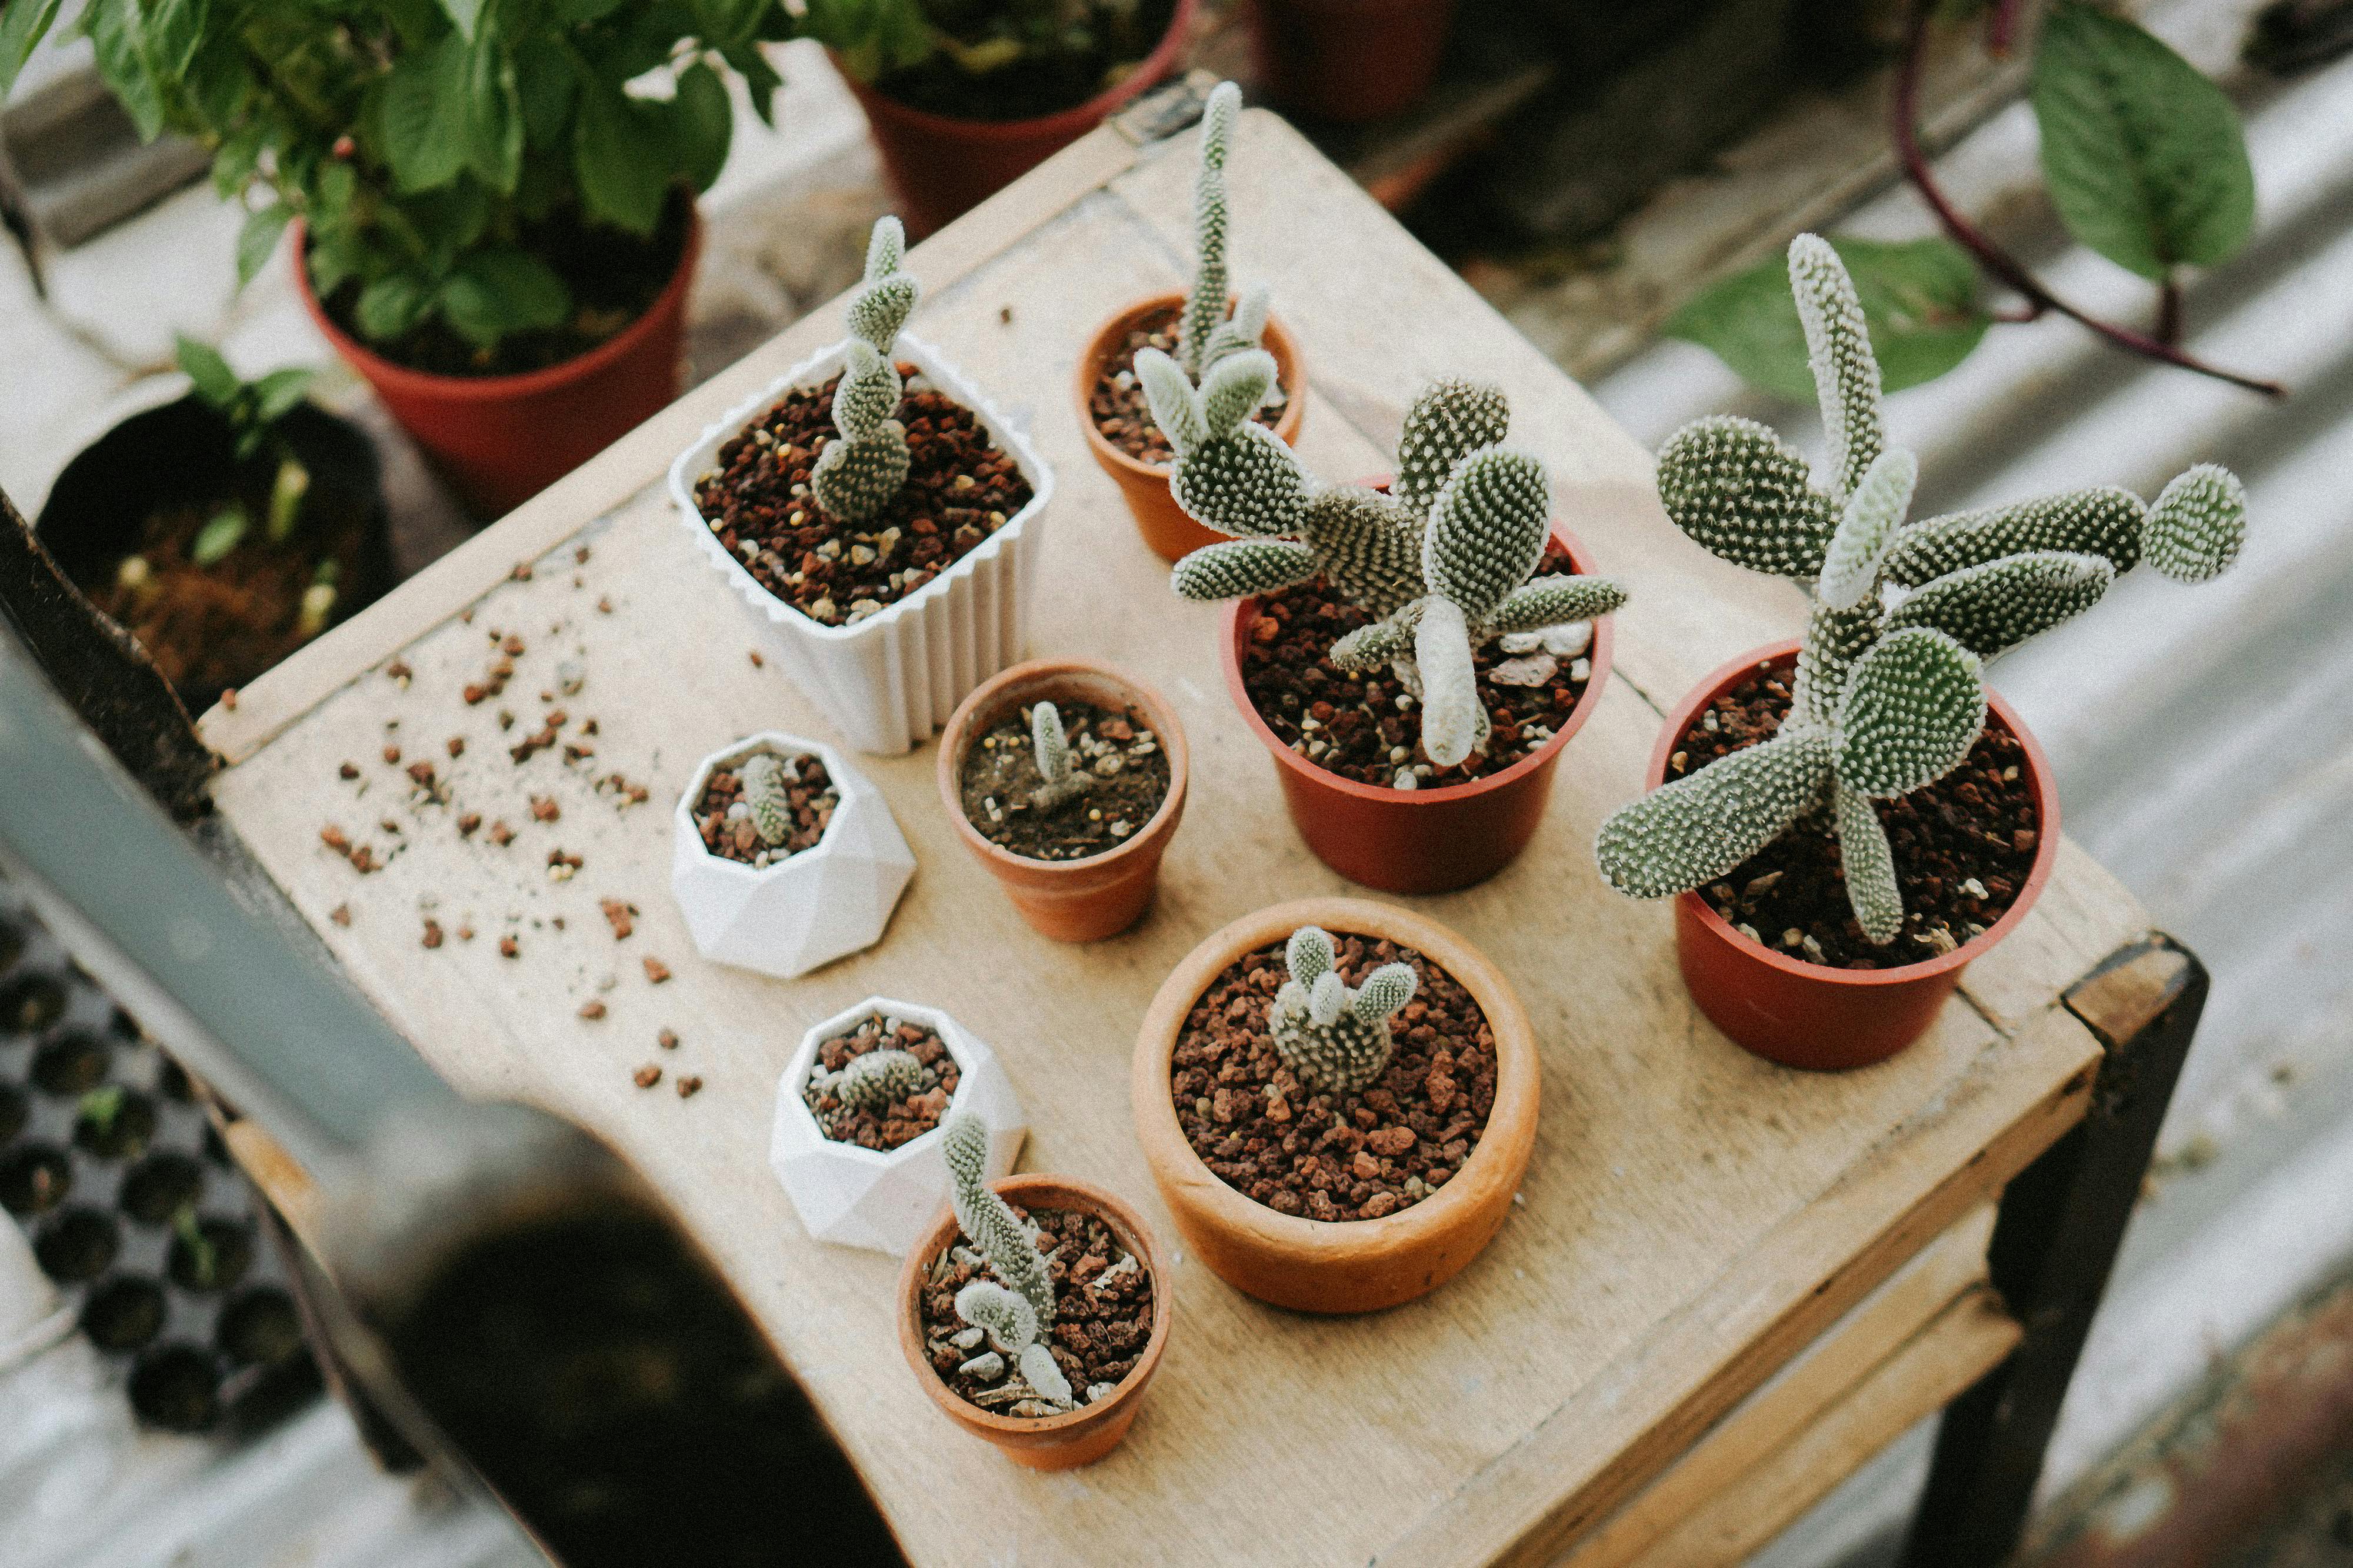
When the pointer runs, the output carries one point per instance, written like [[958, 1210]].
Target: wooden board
[[1693, 1217]]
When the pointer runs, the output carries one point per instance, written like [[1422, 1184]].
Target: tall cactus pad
[[987, 1221], [1913, 709], [2198, 524], [1335, 1039], [764, 780], [858, 472], [1852, 564], [1487, 529], [1742, 492], [1060, 782], [878, 1078], [1870, 864], [1205, 303], [1838, 347], [1454, 722], [2106, 521], [1447, 422], [1699, 828]]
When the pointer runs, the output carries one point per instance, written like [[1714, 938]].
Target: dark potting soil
[[1088, 49], [1102, 1314], [176, 1388], [1117, 749], [115, 1123], [78, 1244], [1365, 1155], [1360, 728], [1963, 845], [123, 1313], [813, 799], [961, 488], [211, 1255], [901, 1120], [259, 1327], [614, 277], [1118, 404]]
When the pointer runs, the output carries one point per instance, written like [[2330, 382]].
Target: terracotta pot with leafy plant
[[1197, 329], [1348, 61], [492, 230], [1848, 823], [1412, 675], [224, 529], [964, 99]]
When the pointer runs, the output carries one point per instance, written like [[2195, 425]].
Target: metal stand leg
[[2054, 1243]]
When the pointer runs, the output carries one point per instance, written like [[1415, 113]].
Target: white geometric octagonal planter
[[854, 1196], [831, 899]]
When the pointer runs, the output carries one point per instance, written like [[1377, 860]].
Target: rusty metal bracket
[[2055, 1244]]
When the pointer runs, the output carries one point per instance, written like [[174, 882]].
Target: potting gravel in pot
[[1067, 781], [1414, 658], [880, 514], [1197, 329], [1337, 1100], [1847, 822], [1035, 1312]]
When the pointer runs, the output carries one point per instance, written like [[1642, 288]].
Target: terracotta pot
[[1145, 486], [942, 167], [1348, 59], [1101, 895], [1808, 1015], [1426, 840], [501, 439], [1079, 1436], [1323, 1266]]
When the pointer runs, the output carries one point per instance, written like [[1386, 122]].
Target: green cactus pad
[[1486, 530], [1700, 827], [987, 1221], [1838, 347], [1205, 302], [1246, 483], [1454, 722], [1335, 1040], [2001, 604], [1241, 568], [1870, 865], [1913, 708], [1556, 601], [1743, 493], [1851, 565], [1367, 544], [875, 1079], [2106, 521], [2199, 521], [1449, 420]]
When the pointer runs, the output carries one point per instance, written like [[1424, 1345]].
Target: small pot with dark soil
[[114, 1122], [857, 1111], [879, 513], [1348, 61], [1034, 1311], [784, 856], [123, 1313], [176, 1387], [76, 1245], [34, 1179], [1337, 1100], [1067, 781]]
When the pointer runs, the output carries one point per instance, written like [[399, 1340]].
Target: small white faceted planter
[[885, 1201], [892, 679], [831, 899]]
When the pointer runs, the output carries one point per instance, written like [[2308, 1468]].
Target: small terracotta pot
[[501, 439], [1349, 60], [1079, 1436], [1070, 900], [1326, 1266], [1145, 486], [942, 167], [1810, 1015], [1426, 840]]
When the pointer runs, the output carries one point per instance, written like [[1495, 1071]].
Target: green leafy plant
[[252, 410], [1334, 1037], [425, 146], [2142, 156], [204, 1258], [856, 476], [1888, 696], [952, 55], [100, 1107]]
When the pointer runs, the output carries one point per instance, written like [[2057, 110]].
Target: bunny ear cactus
[[1062, 780], [1205, 333], [765, 780], [877, 1078], [1012, 1327], [987, 1221], [1335, 1039], [1888, 696], [858, 472]]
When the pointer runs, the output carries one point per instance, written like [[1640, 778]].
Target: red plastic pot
[[501, 439], [1808, 1015], [1350, 59], [1425, 840], [942, 167]]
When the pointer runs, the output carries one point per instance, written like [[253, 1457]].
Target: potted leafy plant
[[1035, 1312], [1848, 821], [965, 98], [1196, 328], [492, 228], [856, 1144], [1337, 1100], [1067, 781], [1348, 61], [226, 527], [1395, 649], [879, 513]]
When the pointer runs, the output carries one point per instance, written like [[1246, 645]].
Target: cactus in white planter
[[875, 1079], [856, 474], [1336, 1039], [1888, 696]]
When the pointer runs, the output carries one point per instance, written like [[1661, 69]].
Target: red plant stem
[[2168, 310], [2001, 27], [1998, 262]]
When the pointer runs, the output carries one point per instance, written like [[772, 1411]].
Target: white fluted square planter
[[833, 898], [892, 679], [854, 1196]]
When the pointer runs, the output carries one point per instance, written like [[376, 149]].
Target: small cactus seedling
[[858, 473], [1012, 1328], [1205, 333], [1888, 696], [1335, 1038], [765, 778], [875, 1079], [988, 1222], [1061, 780]]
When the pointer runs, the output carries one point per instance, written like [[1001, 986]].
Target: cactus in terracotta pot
[[1063, 779], [858, 473], [1888, 695], [1335, 1038], [987, 1221], [1011, 1327], [1206, 333]]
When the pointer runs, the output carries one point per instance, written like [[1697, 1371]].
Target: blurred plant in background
[[988, 59]]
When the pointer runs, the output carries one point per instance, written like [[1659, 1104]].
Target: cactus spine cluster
[[858, 472], [1205, 333], [987, 1221], [871, 1081], [1061, 781], [1335, 1038], [765, 777], [1888, 696]]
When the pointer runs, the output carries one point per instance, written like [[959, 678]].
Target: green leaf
[[425, 115], [493, 112], [219, 536], [23, 24], [572, 12], [1919, 302], [257, 240], [463, 13], [117, 32], [2144, 156], [701, 121], [391, 306], [621, 159], [277, 395], [760, 78], [501, 290], [545, 85], [215, 382]]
